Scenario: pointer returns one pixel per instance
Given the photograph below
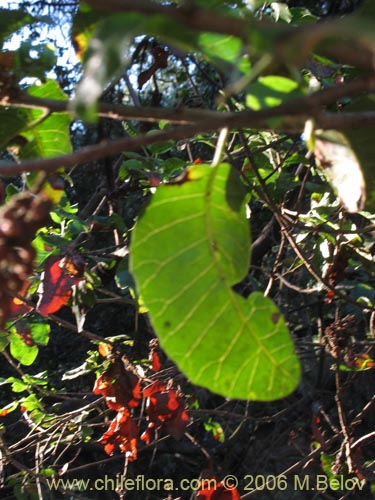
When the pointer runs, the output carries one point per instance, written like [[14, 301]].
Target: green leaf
[[270, 91], [17, 384], [34, 60], [12, 122], [188, 250], [8, 408], [4, 340], [222, 47], [30, 132], [38, 379], [24, 353], [40, 330], [31, 403], [50, 137]]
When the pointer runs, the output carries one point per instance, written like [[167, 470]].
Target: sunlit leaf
[[51, 137], [281, 12], [342, 168], [362, 142], [222, 47], [20, 349], [269, 91], [8, 408], [189, 248]]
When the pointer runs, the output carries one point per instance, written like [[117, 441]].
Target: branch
[[285, 39], [193, 17], [293, 114], [180, 116]]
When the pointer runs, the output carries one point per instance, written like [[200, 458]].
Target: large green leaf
[[270, 91], [189, 248]]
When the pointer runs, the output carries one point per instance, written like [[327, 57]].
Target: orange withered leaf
[[104, 349], [17, 305], [120, 386], [122, 434], [165, 408]]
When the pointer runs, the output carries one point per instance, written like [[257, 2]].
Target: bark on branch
[[292, 117]]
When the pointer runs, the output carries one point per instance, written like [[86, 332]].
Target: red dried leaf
[[148, 434], [145, 76], [160, 61], [154, 179], [60, 275], [330, 296], [155, 361], [120, 386], [160, 56], [218, 493], [165, 408], [123, 434], [104, 349]]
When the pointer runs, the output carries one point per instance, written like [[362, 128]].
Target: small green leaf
[[216, 429], [31, 403], [40, 330], [17, 384], [4, 340], [24, 353], [188, 250], [8, 408]]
